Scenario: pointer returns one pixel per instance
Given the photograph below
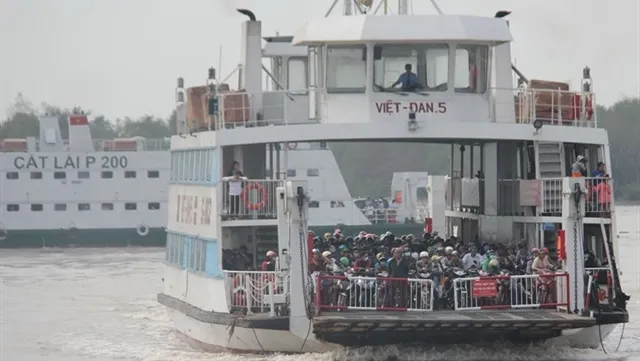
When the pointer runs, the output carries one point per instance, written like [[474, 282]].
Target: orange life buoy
[[292, 145], [263, 196]]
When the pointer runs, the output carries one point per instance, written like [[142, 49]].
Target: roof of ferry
[[403, 29]]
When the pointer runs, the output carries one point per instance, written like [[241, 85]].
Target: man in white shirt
[[235, 190], [472, 259]]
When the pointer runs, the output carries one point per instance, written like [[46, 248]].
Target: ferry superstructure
[[82, 192], [525, 138]]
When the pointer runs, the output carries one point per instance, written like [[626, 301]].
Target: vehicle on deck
[[332, 82]]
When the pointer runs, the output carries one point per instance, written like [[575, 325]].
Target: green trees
[[366, 167]]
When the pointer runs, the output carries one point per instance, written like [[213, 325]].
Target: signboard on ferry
[[34, 162], [417, 107]]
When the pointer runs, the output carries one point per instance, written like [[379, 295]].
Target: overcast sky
[[121, 57]]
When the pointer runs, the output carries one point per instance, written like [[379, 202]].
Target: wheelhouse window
[[106, 206], [12, 175], [346, 69], [153, 173], [153, 206], [471, 68], [36, 175], [297, 76], [411, 67], [130, 206], [60, 207], [13, 207], [83, 175]]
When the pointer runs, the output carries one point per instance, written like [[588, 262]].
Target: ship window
[[430, 64], [36, 175], [437, 67], [153, 174], [130, 206], [59, 175], [291, 172], [153, 206], [471, 68], [83, 175], [130, 174], [37, 207], [13, 207], [346, 69], [60, 207], [337, 204], [313, 172], [107, 174], [297, 77], [12, 175], [314, 204], [84, 207], [106, 206], [391, 62]]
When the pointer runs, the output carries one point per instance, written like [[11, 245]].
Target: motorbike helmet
[[544, 251], [344, 261], [272, 254], [343, 248], [434, 258], [448, 250], [535, 250], [454, 253], [315, 251], [415, 255], [379, 255], [424, 254], [332, 248], [494, 263], [326, 254], [327, 235]]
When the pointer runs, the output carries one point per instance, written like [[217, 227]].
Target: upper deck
[[410, 76]]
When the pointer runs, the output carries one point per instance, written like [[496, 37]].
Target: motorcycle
[[366, 289], [423, 296], [462, 292], [545, 286], [504, 286]]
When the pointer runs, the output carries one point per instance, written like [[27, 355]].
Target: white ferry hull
[[216, 337]]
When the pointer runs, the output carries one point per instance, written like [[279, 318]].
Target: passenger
[[579, 167], [424, 262], [455, 261], [534, 255], [362, 263], [600, 171], [269, 263], [235, 167], [493, 268], [235, 190], [318, 263], [472, 259], [398, 266], [603, 194], [541, 264], [408, 80]]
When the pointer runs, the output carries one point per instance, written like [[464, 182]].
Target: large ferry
[[80, 191], [510, 179]]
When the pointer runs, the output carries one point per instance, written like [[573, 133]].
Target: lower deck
[[446, 326]]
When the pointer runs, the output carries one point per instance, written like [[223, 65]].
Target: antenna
[[435, 5], [219, 63]]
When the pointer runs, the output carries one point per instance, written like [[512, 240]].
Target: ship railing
[[253, 292], [551, 107], [545, 196], [257, 199], [341, 293], [135, 144], [550, 291], [266, 108]]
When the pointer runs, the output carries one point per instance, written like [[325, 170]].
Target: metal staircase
[[550, 159]]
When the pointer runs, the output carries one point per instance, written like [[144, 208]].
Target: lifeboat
[[13, 145]]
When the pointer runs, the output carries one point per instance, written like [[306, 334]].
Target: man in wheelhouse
[[408, 80]]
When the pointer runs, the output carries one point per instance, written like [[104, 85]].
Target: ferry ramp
[[352, 328]]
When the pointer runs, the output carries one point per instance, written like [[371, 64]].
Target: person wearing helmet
[[345, 263], [455, 261], [424, 262], [541, 263], [317, 263], [579, 167], [269, 263], [448, 255], [534, 254], [494, 267]]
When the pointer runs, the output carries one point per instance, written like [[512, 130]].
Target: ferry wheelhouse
[[511, 147], [80, 191]]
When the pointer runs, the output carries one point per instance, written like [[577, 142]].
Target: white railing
[[504, 292], [137, 144], [281, 107], [257, 199], [373, 293], [552, 107], [547, 196], [253, 292]]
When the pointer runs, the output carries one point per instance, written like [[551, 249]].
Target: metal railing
[[545, 196], [340, 293], [552, 107], [251, 292], [249, 199], [281, 107], [137, 144], [504, 292]]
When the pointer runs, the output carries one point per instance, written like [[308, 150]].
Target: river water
[[100, 304]]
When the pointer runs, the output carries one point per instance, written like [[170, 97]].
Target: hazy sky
[[121, 57]]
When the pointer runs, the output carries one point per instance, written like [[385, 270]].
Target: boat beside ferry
[[526, 137]]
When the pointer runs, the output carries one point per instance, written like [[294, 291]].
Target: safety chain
[[302, 240], [577, 195]]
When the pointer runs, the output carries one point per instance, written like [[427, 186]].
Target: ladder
[[550, 159]]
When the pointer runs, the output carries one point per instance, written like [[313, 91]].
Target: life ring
[[292, 145], [263, 196], [4, 234], [142, 230]]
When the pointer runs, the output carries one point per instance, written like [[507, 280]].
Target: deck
[[361, 328]]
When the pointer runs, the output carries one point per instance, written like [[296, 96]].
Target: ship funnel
[[247, 13]]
